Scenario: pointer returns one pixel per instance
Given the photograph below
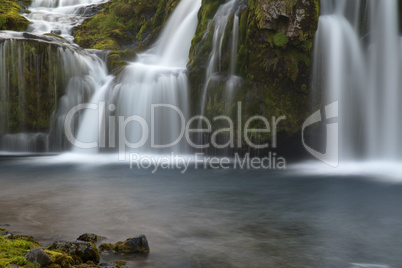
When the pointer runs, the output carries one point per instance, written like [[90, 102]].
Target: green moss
[[123, 23], [27, 105], [116, 60], [281, 40], [275, 67], [26, 238], [13, 252], [10, 18], [60, 259], [108, 247]]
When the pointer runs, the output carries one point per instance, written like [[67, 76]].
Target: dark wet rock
[[50, 37], [88, 11], [86, 251], [56, 32], [107, 247], [89, 237], [38, 255], [136, 245]]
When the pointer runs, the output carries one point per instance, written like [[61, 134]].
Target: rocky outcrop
[[279, 16], [273, 59]]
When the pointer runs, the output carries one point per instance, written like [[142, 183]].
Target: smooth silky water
[[207, 218]]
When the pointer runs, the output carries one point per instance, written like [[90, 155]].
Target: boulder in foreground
[[38, 255], [86, 251]]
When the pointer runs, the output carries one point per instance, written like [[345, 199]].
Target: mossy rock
[[116, 60], [26, 105], [89, 237], [107, 247], [26, 238], [10, 18], [60, 259], [80, 251], [135, 245], [124, 24], [273, 59]]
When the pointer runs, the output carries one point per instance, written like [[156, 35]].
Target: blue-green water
[[208, 218]]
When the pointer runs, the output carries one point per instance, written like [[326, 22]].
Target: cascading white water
[[59, 16], [218, 25], [82, 74], [357, 61], [76, 72], [159, 76]]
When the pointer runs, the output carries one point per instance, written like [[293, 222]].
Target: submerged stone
[[89, 237], [107, 247], [136, 245]]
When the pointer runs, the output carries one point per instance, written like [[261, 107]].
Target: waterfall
[[58, 16], [42, 71], [218, 25], [43, 74], [357, 61], [158, 76]]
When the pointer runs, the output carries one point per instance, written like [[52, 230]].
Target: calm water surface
[[208, 218]]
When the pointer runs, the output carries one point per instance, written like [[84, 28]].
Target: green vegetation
[[281, 40], [27, 105], [10, 18], [13, 251], [131, 24], [274, 62], [124, 22]]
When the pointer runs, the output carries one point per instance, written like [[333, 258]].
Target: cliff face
[[273, 59], [32, 80]]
